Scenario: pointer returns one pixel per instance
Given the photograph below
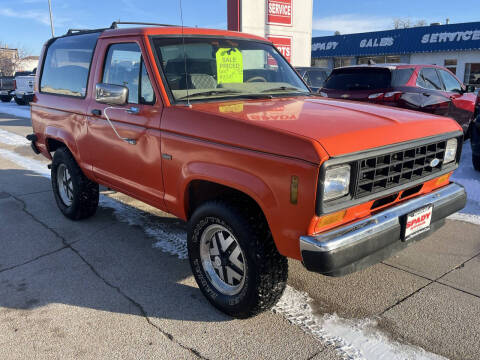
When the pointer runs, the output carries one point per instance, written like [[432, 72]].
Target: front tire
[[75, 194], [6, 98], [234, 259]]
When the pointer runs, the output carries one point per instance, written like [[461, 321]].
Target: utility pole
[[51, 16]]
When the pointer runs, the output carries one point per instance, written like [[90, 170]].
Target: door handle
[[133, 110], [426, 94], [96, 112]]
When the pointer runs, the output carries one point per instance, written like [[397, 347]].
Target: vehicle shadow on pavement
[[9, 120], [47, 258]]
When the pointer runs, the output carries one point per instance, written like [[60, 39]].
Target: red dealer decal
[[279, 12], [418, 221], [283, 44]]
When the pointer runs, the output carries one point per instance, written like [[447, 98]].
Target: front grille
[[396, 168]]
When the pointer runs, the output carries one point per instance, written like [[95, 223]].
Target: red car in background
[[427, 88]]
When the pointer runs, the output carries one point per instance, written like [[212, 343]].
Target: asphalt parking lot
[[117, 286]]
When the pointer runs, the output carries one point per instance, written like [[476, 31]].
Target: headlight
[[337, 182], [450, 151]]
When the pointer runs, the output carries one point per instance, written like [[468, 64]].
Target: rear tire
[[6, 98], [75, 194], [19, 101], [234, 259]]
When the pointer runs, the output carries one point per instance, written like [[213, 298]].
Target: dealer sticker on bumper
[[418, 222]]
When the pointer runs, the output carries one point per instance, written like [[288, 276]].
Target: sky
[[25, 24]]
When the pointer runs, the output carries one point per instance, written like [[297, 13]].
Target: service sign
[[283, 44], [279, 12], [440, 38]]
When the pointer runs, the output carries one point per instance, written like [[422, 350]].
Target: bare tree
[[10, 58], [399, 23], [419, 23], [336, 33]]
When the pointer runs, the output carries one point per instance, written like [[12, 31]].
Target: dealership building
[[286, 23], [455, 46]]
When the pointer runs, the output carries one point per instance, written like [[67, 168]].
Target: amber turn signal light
[[331, 218], [443, 179]]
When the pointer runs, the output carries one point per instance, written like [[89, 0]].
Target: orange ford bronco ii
[[217, 128]]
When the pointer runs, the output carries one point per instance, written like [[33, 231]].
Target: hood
[[340, 127]]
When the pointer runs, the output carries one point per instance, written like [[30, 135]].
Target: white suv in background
[[24, 88]]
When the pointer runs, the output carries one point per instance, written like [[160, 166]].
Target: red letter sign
[[279, 12], [283, 44]]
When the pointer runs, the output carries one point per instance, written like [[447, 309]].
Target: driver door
[[131, 167]]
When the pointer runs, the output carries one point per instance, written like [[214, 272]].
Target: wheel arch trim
[[236, 179]]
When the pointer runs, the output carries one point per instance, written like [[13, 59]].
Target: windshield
[[367, 78], [204, 68], [315, 78]]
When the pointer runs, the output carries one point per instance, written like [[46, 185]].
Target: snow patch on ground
[[25, 162], [470, 179], [12, 108], [352, 339], [8, 138], [470, 218]]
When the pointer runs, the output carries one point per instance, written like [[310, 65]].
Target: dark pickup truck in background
[[7, 86]]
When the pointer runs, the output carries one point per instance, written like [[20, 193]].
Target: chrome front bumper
[[365, 242]]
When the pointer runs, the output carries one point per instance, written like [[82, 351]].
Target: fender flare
[[59, 134], [237, 179]]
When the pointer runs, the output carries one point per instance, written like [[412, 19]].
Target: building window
[[379, 59], [343, 61], [451, 64], [320, 63], [472, 74], [392, 59]]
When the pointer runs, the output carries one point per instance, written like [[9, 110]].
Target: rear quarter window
[[401, 76], [67, 64]]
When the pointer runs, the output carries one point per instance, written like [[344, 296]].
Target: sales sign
[[283, 44], [229, 65], [279, 12]]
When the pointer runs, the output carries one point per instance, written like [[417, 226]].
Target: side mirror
[[111, 94], [469, 88]]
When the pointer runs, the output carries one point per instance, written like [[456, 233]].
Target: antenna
[[184, 55], [51, 17]]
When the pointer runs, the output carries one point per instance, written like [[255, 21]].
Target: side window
[[67, 64], [124, 66], [451, 84], [428, 78]]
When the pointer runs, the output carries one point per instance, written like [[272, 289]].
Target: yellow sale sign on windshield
[[229, 65]]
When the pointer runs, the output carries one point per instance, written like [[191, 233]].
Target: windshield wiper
[[286, 88], [210, 92]]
